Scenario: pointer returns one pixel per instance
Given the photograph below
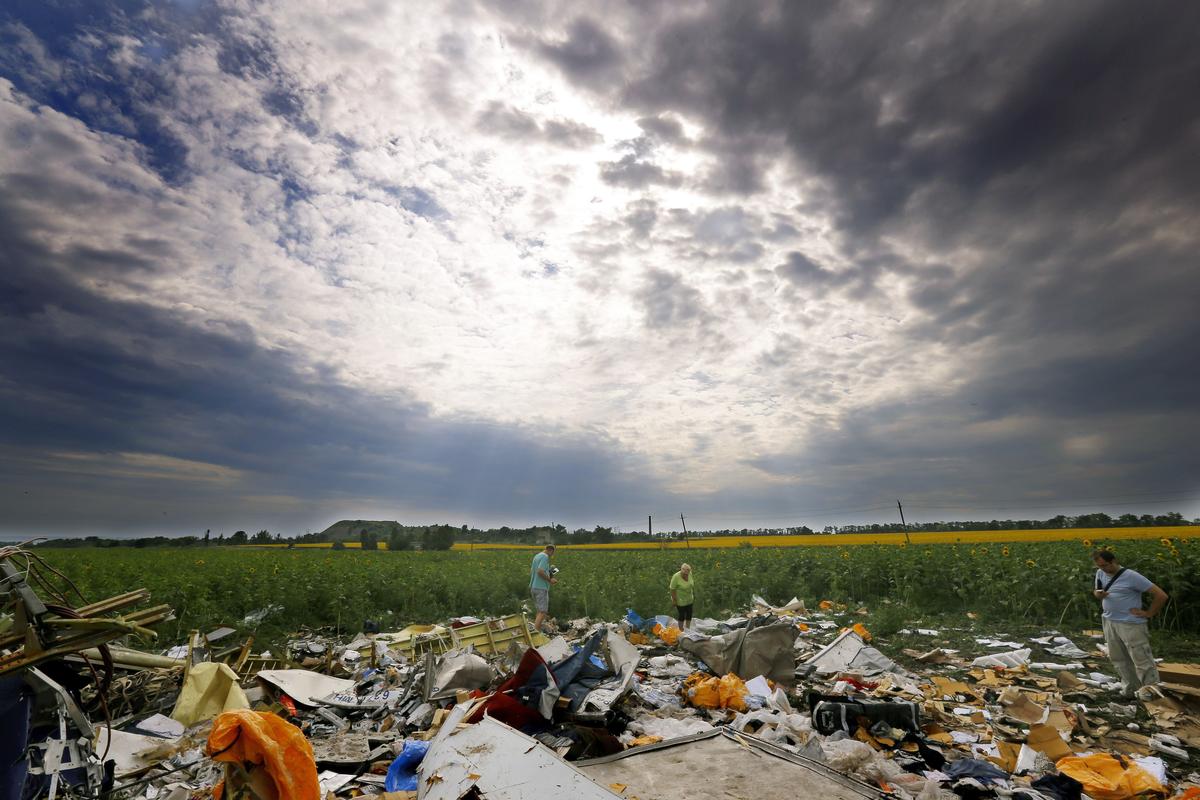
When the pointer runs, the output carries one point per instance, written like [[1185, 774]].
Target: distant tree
[[239, 537], [339, 545], [262, 537], [368, 541], [437, 537], [207, 533]]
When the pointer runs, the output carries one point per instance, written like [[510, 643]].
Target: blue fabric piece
[[576, 675], [402, 774], [974, 768]]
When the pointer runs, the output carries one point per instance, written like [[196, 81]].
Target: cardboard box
[[1045, 739], [1186, 674]]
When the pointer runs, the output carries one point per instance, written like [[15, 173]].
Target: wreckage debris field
[[209, 586]]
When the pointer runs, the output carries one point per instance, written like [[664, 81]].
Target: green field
[[1044, 583]]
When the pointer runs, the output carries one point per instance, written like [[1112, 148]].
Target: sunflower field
[[1047, 583]]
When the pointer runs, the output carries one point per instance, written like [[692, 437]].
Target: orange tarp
[[279, 747], [1107, 778]]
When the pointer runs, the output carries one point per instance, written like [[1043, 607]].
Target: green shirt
[[540, 561], [685, 593]]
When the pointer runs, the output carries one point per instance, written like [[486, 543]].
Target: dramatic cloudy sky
[[274, 264]]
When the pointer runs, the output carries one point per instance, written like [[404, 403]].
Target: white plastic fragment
[[1005, 660], [846, 755]]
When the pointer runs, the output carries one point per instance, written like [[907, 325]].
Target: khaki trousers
[[1129, 650]]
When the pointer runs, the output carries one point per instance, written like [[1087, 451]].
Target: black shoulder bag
[[1111, 581]]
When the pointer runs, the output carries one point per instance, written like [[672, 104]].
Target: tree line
[[442, 536]]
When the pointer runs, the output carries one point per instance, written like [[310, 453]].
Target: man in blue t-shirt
[[540, 579], [1120, 591]]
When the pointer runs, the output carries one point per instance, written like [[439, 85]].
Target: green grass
[[1044, 585]]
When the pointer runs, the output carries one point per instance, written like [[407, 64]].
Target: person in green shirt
[[683, 595]]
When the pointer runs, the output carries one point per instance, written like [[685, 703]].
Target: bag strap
[[1111, 581]]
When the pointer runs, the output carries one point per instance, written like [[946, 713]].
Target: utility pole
[[650, 526], [685, 539], [903, 524]]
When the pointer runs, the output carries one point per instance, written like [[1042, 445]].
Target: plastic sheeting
[[727, 691], [402, 773], [765, 650]]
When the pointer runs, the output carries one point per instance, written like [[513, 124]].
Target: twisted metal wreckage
[[489, 708]]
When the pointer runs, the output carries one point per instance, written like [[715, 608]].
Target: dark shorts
[[684, 612]]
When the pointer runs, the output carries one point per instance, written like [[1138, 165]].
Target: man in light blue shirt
[[540, 579], [1120, 591]]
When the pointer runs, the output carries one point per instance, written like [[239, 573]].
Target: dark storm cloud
[[588, 53], [97, 391], [1052, 145], [670, 302], [666, 128], [808, 277], [502, 120], [633, 173], [947, 455], [641, 217]]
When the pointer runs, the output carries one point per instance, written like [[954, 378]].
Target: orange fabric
[[256, 737], [1107, 778]]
